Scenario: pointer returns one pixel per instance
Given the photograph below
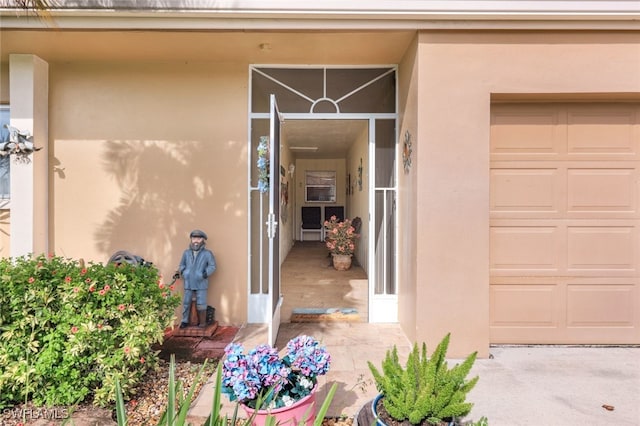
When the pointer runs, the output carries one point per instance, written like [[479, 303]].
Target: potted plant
[[340, 240], [266, 384], [426, 391]]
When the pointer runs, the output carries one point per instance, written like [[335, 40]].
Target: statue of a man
[[196, 266]]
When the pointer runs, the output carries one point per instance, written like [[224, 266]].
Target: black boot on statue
[[202, 319]]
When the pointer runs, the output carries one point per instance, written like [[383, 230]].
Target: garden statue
[[196, 266]]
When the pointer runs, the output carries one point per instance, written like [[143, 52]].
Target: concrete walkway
[[549, 386]]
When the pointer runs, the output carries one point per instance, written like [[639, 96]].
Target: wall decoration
[[284, 200], [406, 152], [348, 183], [360, 175], [263, 164], [20, 145]]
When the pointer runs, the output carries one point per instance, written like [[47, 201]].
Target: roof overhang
[[331, 15]]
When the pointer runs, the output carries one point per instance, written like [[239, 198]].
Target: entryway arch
[[319, 104]]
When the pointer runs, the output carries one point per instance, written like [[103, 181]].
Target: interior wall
[[358, 198], [458, 73], [145, 152], [302, 165], [287, 201]]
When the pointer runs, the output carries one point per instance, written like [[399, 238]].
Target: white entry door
[[273, 231]]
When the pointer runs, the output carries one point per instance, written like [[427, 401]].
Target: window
[[320, 186], [4, 161]]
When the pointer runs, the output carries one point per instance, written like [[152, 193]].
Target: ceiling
[[332, 137]]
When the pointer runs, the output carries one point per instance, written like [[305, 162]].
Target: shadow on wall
[[168, 188]]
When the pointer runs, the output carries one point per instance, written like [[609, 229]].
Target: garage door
[[565, 223]]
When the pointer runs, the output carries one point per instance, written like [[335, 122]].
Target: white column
[[29, 101]]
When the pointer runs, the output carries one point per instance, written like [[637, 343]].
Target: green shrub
[[426, 389], [67, 332]]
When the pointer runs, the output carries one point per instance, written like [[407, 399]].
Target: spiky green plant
[[426, 389]]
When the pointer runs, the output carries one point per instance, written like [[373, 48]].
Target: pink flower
[[84, 271], [92, 288], [127, 350], [121, 307], [102, 292], [107, 287], [142, 360], [31, 280], [74, 329], [67, 279], [88, 280], [76, 289], [160, 286], [172, 287], [99, 326]]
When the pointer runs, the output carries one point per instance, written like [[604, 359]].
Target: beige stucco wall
[[181, 119], [407, 190], [458, 73], [145, 152]]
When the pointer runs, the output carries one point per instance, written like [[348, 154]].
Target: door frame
[[382, 308]]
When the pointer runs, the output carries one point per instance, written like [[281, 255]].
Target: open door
[[273, 231]]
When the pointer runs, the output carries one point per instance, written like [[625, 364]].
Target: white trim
[[385, 306], [258, 308], [332, 14]]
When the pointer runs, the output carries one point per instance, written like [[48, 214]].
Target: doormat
[[324, 314]]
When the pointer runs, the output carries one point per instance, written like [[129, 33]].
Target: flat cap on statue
[[198, 233]]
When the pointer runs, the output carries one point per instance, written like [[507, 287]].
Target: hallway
[[308, 280]]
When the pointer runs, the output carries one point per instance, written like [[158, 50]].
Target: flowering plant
[[340, 236], [68, 330], [261, 375]]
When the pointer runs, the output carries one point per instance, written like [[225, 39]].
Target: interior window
[[320, 186], [4, 160]]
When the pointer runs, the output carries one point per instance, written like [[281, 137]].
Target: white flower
[[287, 400], [306, 383]]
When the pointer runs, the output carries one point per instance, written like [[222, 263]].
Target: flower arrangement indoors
[[340, 240], [262, 380]]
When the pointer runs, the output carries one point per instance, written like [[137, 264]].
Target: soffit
[[246, 47]]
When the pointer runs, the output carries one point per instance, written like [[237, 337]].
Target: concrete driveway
[[561, 386]]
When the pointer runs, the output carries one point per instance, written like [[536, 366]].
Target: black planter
[[368, 415]]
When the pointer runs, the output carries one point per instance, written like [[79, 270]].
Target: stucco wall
[[407, 191], [458, 73], [145, 152]]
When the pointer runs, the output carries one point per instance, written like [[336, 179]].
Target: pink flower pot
[[287, 416]]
